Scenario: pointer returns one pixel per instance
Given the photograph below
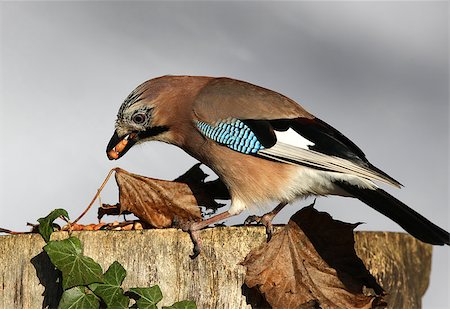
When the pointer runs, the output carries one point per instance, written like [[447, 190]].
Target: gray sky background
[[377, 71]]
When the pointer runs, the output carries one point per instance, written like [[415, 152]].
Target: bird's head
[[157, 110], [136, 121]]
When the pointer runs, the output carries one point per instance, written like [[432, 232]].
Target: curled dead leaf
[[311, 263], [161, 203], [157, 202], [116, 226], [110, 210]]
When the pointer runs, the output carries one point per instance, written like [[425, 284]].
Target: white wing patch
[[292, 138]]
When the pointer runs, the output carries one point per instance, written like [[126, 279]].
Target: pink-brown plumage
[[236, 128]]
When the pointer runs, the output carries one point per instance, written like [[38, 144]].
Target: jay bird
[[263, 146]]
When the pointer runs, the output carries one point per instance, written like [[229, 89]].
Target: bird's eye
[[139, 118]]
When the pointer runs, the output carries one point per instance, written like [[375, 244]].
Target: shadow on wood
[[50, 278]]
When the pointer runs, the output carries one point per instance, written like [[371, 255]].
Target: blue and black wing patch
[[249, 136], [234, 134], [258, 137], [325, 138]]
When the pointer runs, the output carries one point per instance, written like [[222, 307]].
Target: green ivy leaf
[[76, 268], [110, 291], [148, 297], [46, 224], [123, 303], [76, 298], [185, 304]]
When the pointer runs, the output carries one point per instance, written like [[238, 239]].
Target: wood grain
[[215, 279]]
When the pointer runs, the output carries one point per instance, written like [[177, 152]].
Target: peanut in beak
[[114, 153]]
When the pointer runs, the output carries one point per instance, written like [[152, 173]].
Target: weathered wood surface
[[214, 280]]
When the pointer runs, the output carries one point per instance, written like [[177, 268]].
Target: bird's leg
[[266, 219], [193, 228]]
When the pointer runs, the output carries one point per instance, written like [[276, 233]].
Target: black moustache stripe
[[153, 131]]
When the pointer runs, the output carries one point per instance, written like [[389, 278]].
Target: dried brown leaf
[[83, 227], [311, 263], [116, 225], [110, 210], [156, 202], [160, 203]]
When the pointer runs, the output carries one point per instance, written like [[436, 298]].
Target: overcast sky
[[378, 72]]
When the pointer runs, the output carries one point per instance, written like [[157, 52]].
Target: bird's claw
[[193, 234], [265, 220], [269, 231], [252, 219], [196, 242]]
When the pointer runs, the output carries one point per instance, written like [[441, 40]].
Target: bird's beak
[[118, 146]]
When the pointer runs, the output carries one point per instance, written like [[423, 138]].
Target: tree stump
[[400, 263]]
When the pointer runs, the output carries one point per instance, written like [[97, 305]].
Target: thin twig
[[95, 196], [2, 230]]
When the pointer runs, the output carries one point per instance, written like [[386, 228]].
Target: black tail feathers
[[414, 223]]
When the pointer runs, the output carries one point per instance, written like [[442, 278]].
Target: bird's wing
[[257, 121], [223, 98]]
